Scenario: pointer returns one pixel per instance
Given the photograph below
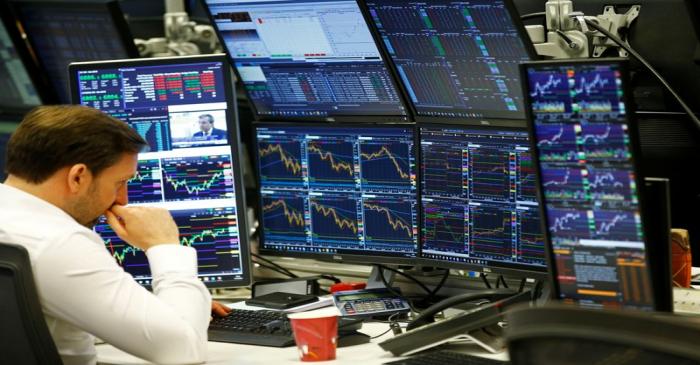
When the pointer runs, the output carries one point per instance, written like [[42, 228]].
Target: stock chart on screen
[[306, 58], [177, 107], [338, 190], [455, 58], [589, 183], [479, 205]]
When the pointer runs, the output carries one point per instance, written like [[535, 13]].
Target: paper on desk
[[323, 301]]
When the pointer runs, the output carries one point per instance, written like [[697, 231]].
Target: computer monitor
[[307, 59], [670, 141], [185, 108], [61, 32], [6, 130], [17, 82], [338, 192], [586, 148], [479, 207], [455, 59]]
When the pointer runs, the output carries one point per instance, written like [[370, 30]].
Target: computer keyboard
[[263, 328], [270, 328], [443, 357]]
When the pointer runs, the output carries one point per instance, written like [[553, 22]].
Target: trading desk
[[224, 353]]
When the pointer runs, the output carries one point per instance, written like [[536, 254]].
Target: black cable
[[392, 291], [533, 15], [269, 267], [389, 320], [410, 277], [332, 278], [502, 280], [287, 272], [439, 286], [641, 59], [522, 285], [486, 281]]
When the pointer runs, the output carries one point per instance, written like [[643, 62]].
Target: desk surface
[[224, 353]]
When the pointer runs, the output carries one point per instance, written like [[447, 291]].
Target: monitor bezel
[[388, 118], [509, 270], [368, 259], [111, 6], [634, 143], [421, 117], [233, 135], [38, 78]]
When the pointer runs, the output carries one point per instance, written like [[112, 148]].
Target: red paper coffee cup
[[315, 334]]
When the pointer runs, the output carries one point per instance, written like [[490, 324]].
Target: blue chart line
[[156, 132], [212, 232], [550, 92], [386, 165], [280, 162], [616, 225], [596, 92], [334, 220], [605, 141], [490, 174], [389, 221], [130, 258], [530, 236], [545, 84], [491, 231], [331, 163], [283, 218], [563, 183], [557, 142], [442, 170], [201, 177], [444, 227], [146, 185], [613, 185], [526, 185], [568, 224]]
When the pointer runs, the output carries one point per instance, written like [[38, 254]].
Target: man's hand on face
[[143, 227]]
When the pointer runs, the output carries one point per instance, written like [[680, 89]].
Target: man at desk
[[207, 130], [68, 165]]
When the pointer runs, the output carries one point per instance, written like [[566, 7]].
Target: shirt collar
[[13, 197]]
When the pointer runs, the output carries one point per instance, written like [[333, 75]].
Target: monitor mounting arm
[[568, 36], [181, 35]]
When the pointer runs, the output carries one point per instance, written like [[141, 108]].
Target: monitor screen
[[309, 58], [338, 191], [456, 59], [590, 187], [65, 32], [185, 109], [4, 138], [18, 91], [479, 203]]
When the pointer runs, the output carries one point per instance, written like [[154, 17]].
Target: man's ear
[[79, 178]]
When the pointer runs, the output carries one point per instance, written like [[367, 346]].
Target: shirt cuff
[[169, 258]]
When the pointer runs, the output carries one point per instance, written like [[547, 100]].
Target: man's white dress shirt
[[83, 292]]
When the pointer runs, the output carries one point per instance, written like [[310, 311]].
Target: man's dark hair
[[53, 137], [208, 116]]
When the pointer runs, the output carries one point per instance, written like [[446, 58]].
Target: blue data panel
[[589, 183], [455, 58], [479, 203], [333, 190], [307, 58]]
